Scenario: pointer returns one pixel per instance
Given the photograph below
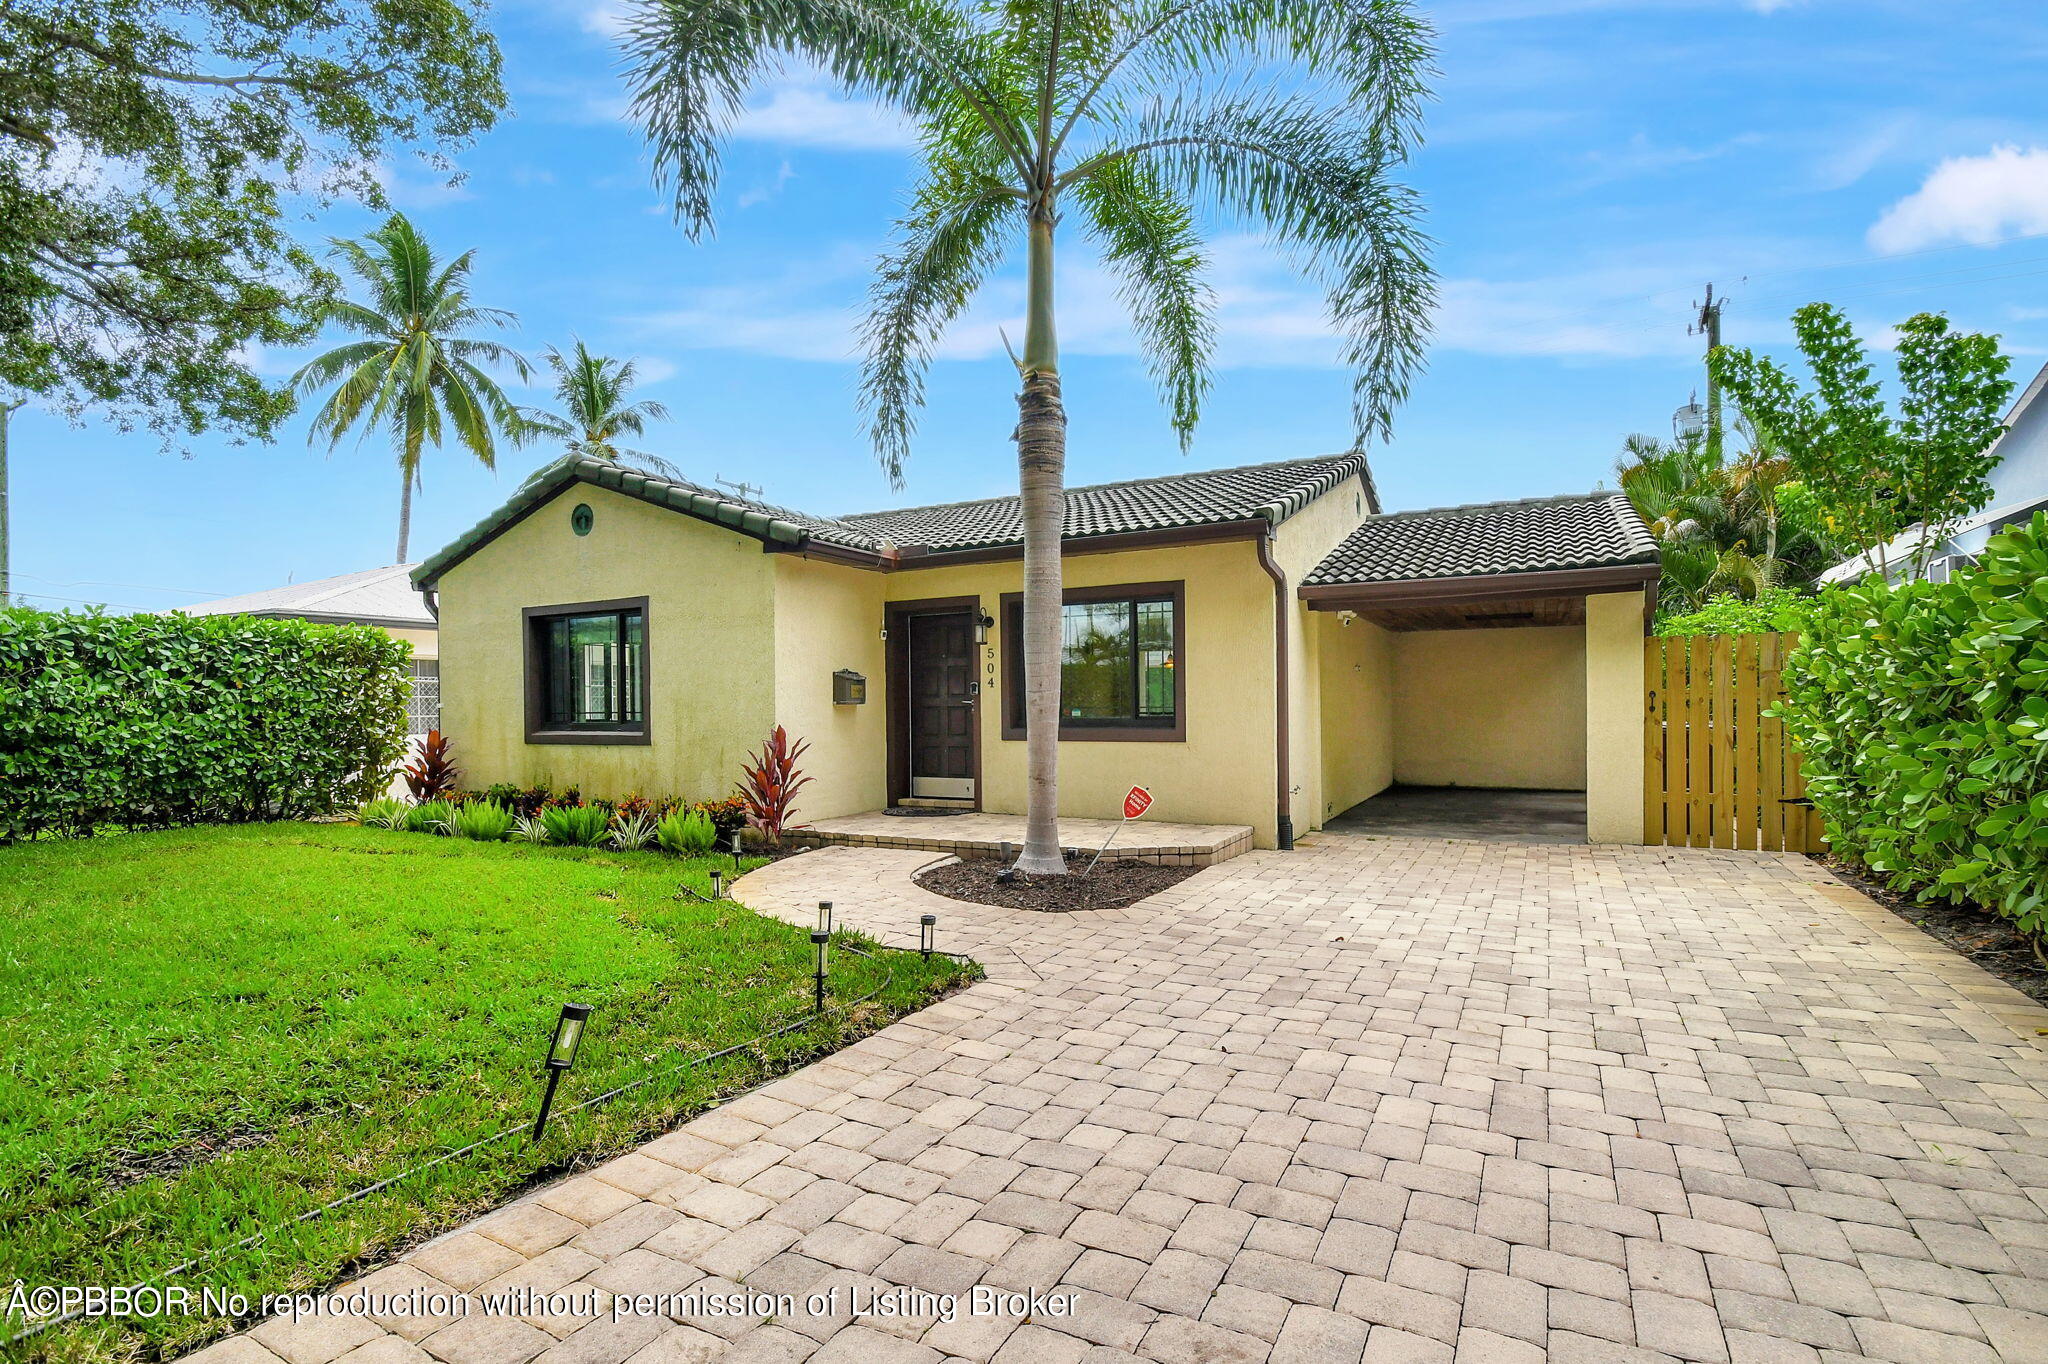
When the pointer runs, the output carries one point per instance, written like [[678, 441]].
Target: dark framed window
[[1121, 663], [586, 673]]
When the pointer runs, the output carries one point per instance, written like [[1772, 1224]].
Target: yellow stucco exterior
[[739, 640], [425, 643]]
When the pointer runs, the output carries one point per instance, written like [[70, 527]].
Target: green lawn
[[206, 1032]]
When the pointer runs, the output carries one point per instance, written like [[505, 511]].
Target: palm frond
[[1149, 243]]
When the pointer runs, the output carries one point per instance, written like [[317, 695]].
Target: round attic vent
[[582, 518]]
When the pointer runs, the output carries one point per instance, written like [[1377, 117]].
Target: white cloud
[[427, 189], [805, 115], [761, 194], [1975, 199]]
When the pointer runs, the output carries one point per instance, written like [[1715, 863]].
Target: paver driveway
[[1390, 1099]]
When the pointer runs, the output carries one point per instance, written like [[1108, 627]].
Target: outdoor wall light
[[821, 942], [927, 930], [568, 1039], [983, 623], [824, 916]]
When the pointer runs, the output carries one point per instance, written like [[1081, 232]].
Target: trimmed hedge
[[1922, 713], [149, 721]]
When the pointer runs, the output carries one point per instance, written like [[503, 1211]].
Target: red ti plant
[[432, 775], [768, 785]]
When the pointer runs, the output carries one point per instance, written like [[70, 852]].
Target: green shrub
[[1770, 611], [382, 813], [430, 817], [583, 826], [1922, 713], [632, 832], [529, 829], [486, 821], [689, 833], [150, 721]]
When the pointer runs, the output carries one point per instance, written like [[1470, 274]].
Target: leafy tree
[[1871, 474], [591, 391], [1771, 610], [414, 375], [145, 148], [1734, 524], [1120, 119]]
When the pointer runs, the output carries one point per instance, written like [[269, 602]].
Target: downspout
[[431, 595], [1284, 788]]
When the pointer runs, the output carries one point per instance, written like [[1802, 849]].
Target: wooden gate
[[1718, 773]]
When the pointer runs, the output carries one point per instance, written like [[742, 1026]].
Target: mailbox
[[849, 688]]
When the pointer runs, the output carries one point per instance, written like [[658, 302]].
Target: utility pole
[[1708, 324], [6, 548]]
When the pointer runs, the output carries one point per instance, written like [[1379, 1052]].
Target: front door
[[942, 713]]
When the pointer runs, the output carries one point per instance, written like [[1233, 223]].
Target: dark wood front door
[[942, 710]]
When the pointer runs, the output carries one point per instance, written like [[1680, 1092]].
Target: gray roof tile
[[374, 594], [1535, 535]]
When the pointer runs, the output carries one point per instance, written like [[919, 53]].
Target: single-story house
[[1258, 645], [2019, 488], [380, 597]]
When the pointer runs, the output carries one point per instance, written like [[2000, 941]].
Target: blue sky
[[1590, 165]]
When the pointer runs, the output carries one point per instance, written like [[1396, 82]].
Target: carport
[[1480, 671]]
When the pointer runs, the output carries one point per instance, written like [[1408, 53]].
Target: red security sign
[[1137, 802]]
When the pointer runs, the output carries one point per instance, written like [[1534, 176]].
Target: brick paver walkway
[[1382, 1099]]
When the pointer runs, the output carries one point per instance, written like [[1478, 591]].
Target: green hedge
[[1922, 711], [1770, 611], [150, 721]]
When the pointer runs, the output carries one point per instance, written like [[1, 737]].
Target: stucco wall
[[1614, 718], [828, 617], [425, 643], [1303, 541], [1491, 707], [1357, 686], [710, 646], [1223, 773]]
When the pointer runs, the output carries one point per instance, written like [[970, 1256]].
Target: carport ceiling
[[1488, 615]]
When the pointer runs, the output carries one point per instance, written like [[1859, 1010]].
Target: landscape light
[[927, 930], [824, 916], [717, 884], [821, 940], [562, 1049]]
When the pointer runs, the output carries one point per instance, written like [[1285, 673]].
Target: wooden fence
[[1718, 773]]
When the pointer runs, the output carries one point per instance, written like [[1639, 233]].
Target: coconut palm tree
[[415, 374], [1121, 118], [591, 392]]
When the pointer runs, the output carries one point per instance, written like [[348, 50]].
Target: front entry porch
[[982, 834]]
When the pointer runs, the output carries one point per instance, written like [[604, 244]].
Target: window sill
[[1112, 734], [587, 736]]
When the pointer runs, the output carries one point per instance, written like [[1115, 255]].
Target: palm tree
[[1123, 118], [591, 390], [415, 374]]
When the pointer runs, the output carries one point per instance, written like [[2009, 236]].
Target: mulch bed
[[1975, 932], [1112, 885]]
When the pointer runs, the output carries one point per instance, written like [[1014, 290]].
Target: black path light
[[927, 930], [561, 1056], [821, 940], [824, 916], [717, 884]]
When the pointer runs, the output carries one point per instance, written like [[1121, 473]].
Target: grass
[[206, 1032]]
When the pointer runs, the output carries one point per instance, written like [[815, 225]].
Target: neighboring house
[[1257, 645], [383, 597], [2019, 488]]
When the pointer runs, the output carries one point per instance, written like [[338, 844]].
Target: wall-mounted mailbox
[[849, 688]]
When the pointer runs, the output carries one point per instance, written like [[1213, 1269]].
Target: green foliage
[[1873, 475], [413, 375], [149, 151], [529, 829], [486, 821], [151, 721], [579, 826], [384, 812], [430, 817], [1770, 611], [632, 831], [1922, 713], [215, 1030], [689, 832], [1132, 124], [591, 393]]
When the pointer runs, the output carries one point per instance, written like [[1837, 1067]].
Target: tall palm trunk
[[404, 512], [1041, 468]]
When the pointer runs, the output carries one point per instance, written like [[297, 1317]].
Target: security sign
[[1137, 802]]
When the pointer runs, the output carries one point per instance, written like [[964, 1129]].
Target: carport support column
[[1614, 717]]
